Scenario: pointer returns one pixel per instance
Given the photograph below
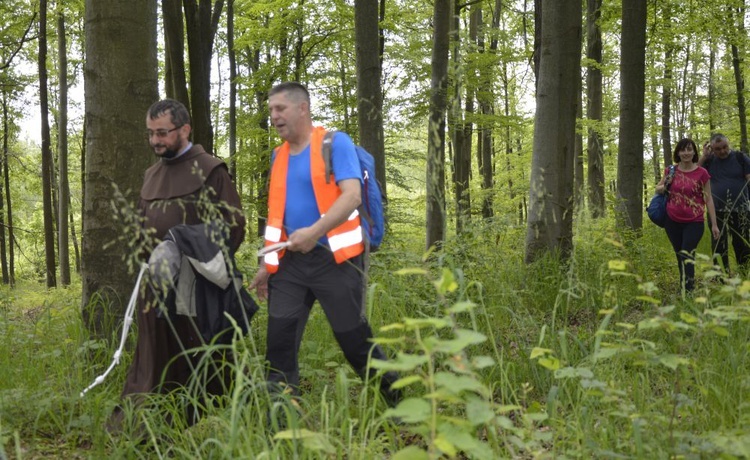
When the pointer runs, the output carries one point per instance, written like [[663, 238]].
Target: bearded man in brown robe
[[189, 186]]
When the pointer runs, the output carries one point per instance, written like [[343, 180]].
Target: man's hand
[[260, 282], [303, 240]]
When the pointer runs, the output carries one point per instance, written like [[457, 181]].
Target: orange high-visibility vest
[[345, 241]]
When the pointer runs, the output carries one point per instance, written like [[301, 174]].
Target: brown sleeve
[[226, 194]]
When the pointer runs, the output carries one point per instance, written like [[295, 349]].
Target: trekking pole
[[127, 321]]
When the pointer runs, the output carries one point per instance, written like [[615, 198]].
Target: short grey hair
[[295, 91], [718, 137]]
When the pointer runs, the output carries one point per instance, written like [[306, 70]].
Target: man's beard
[[169, 154], [170, 151]]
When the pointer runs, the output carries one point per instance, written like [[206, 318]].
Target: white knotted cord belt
[[127, 321]]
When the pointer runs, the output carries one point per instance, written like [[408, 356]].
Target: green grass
[[601, 357]]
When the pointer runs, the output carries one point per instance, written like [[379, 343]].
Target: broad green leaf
[[505, 408], [460, 307], [478, 411], [295, 434], [462, 339], [605, 353], [648, 299], [592, 384], [712, 274], [617, 265], [688, 318], [410, 410], [411, 453], [666, 310], [406, 381], [673, 361], [388, 340], [411, 271], [480, 362], [719, 330], [310, 439], [403, 362], [550, 362], [650, 323], [447, 282], [614, 243], [437, 323], [468, 443], [459, 383], [390, 327], [574, 372], [445, 446], [505, 423], [537, 352], [458, 363]]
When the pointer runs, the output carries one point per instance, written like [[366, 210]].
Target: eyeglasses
[[160, 133]]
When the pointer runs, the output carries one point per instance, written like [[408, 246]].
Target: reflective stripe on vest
[[345, 241], [272, 235]]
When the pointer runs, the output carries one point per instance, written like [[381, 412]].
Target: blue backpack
[[371, 209]]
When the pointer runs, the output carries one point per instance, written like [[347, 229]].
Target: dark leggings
[[685, 237], [735, 225]]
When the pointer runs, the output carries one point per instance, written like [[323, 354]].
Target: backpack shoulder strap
[[670, 176], [326, 149]]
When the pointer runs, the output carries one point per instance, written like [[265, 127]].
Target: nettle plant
[[449, 409], [658, 381]]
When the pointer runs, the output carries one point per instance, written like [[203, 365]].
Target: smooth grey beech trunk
[[550, 219], [120, 83], [632, 89]]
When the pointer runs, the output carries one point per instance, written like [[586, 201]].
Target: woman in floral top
[[689, 198]]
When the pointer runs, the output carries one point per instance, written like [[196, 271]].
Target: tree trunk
[[8, 201], [538, 8], [595, 142], [202, 22], [435, 176], [632, 89], [63, 195], [3, 190], [579, 189], [457, 126], [175, 81], [711, 87], [485, 134], [49, 219], [120, 85], [369, 88], [655, 144], [738, 47], [666, 103], [509, 160], [232, 91], [550, 216], [346, 108], [463, 159], [261, 101], [74, 239]]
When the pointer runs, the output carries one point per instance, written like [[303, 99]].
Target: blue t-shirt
[[728, 184], [301, 209]]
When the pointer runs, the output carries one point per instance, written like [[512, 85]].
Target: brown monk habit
[[171, 189], [190, 189]]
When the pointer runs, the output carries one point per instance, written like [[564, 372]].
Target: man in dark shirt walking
[[730, 173]]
